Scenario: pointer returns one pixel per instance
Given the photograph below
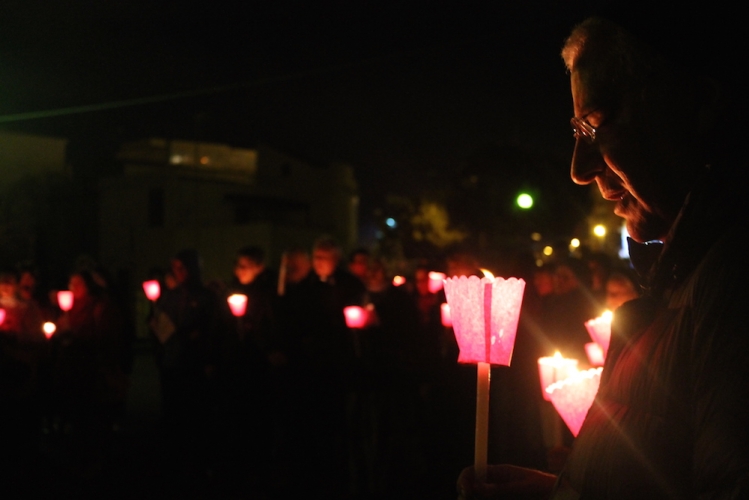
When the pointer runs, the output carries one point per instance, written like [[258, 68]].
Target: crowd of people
[[285, 389]]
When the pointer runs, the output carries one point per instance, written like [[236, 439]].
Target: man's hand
[[506, 482]]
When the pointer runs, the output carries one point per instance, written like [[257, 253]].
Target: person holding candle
[[660, 129]]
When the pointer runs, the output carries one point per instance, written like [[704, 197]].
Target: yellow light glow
[[599, 230], [548, 250], [487, 274], [574, 243], [536, 236]]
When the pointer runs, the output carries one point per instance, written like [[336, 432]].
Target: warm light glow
[[599, 230], [524, 201], [49, 329], [445, 316], [399, 280], [485, 317], [548, 250], [65, 300], [554, 368], [356, 317], [152, 289], [599, 330], [536, 236], [487, 274], [574, 243], [2, 316], [436, 281], [573, 396], [237, 303], [595, 354]]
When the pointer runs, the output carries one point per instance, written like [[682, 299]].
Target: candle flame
[[487, 274]]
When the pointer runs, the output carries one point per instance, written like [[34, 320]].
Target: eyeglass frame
[[581, 129]]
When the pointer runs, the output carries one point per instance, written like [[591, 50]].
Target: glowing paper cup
[[485, 315], [356, 317], [554, 368], [49, 329], [599, 330], [2, 316], [436, 281], [399, 280], [573, 396], [237, 304], [152, 289], [445, 316], [65, 300], [595, 354]]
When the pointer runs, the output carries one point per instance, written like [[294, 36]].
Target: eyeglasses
[[581, 129]]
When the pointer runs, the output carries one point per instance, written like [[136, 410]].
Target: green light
[[525, 201]]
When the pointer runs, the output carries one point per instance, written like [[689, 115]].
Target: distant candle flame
[[49, 329]]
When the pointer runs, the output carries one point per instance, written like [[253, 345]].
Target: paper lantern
[[152, 289], [445, 316], [554, 368], [436, 281], [49, 329], [237, 304], [65, 300], [595, 354], [599, 330], [485, 316], [356, 317], [399, 280], [2, 316], [573, 396]]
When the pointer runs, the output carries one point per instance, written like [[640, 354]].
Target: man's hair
[[255, 253], [358, 251], [327, 243]]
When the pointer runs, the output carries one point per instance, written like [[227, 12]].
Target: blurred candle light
[[554, 368], [49, 329], [485, 313], [447, 320], [356, 317], [152, 289], [595, 354], [573, 396], [2, 316], [436, 281], [599, 330], [399, 280], [65, 300], [237, 304]]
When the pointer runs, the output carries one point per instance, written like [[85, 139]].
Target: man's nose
[[587, 163]]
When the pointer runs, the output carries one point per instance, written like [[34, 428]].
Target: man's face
[[324, 262], [246, 270], [638, 160]]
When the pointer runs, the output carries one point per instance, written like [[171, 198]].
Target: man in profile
[[671, 418]]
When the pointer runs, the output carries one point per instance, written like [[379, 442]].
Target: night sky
[[410, 93]]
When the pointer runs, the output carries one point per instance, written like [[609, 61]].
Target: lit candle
[[356, 317], [436, 281], [152, 289], [399, 280], [599, 330], [2, 316], [65, 300], [237, 304], [445, 316], [573, 396], [485, 315], [595, 354], [49, 329], [553, 368]]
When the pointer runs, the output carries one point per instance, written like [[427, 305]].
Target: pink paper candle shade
[[65, 300], [152, 289], [2, 316], [436, 281], [554, 368], [595, 354], [237, 303], [599, 330], [573, 396], [447, 319], [485, 316], [356, 317]]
